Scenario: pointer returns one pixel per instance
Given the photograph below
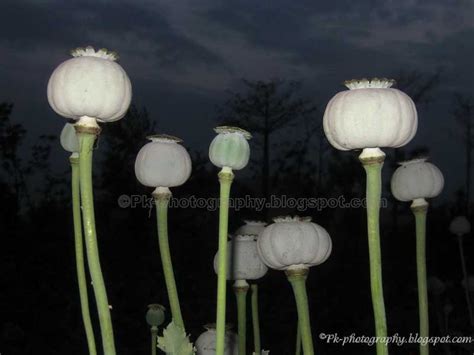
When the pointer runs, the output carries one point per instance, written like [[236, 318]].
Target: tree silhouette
[[418, 85], [464, 114], [11, 138], [122, 141]]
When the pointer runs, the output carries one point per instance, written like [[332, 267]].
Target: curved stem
[[298, 339], [420, 219], [86, 143], [255, 319], [154, 335], [297, 278], [241, 296], [225, 179], [81, 273], [162, 200], [466, 288], [373, 169]]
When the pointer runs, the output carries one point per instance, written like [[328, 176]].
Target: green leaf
[[175, 342]]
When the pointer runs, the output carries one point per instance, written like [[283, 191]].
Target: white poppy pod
[[293, 243], [460, 226], [230, 148], [163, 162], [416, 179], [206, 343], [370, 114], [68, 139], [243, 262], [251, 228], [91, 84]]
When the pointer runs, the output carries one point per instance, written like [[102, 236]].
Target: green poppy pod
[[230, 148], [155, 316]]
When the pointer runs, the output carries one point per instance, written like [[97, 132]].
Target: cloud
[[207, 45]]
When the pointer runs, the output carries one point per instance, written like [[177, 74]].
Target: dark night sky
[[182, 58], [182, 55]]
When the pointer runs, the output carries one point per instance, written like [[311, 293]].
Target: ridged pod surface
[[90, 84], [243, 262], [370, 115], [163, 162], [416, 179], [206, 343], [293, 242], [230, 148]]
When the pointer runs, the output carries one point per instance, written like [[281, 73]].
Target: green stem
[[154, 335], [297, 278], [81, 273], [240, 290], [162, 200], [466, 286], [255, 319], [298, 339], [373, 169], [420, 219], [86, 143], [225, 179]]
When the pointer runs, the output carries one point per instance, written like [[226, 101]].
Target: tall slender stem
[[81, 272], [373, 168], [241, 288], [255, 320], [162, 197], [298, 339], [420, 212], [466, 286], [297, 278], [225, 179], [86, 142], [154, 335]]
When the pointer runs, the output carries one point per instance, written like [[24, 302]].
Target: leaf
[[175, 342]]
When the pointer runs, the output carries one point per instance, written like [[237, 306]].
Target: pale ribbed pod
[[370, 115], [243, 262], [416, 179], [293, 242], [206, 343], [230, 148], [68, 139], [91, 84], [163, 162]]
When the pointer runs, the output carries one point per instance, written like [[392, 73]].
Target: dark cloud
[[183, 55]]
